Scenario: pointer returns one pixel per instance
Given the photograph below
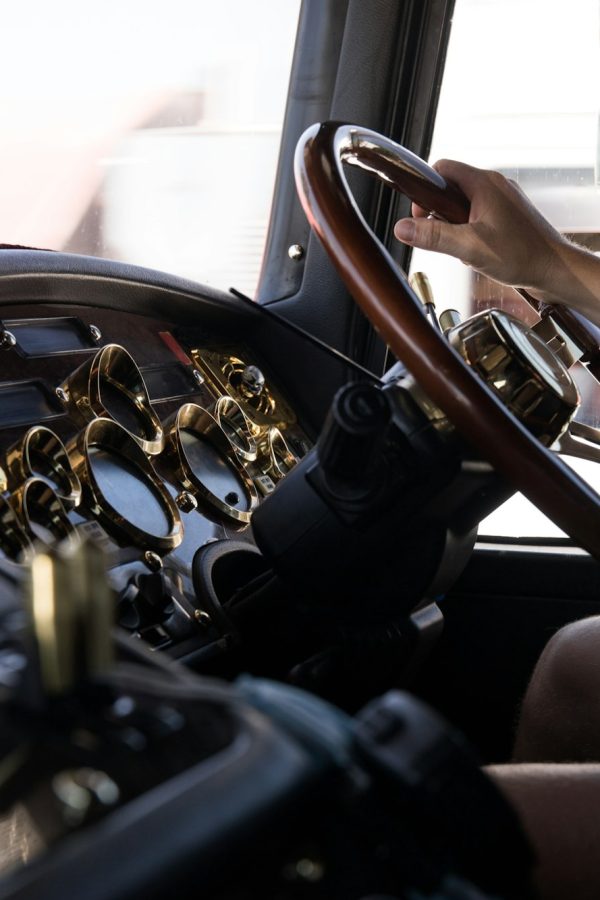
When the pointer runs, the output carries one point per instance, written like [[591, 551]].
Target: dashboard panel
[[154, 436]]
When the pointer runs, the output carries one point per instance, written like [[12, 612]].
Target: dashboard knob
[[252, 381]]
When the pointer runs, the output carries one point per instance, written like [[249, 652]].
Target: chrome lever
[[580, 440]]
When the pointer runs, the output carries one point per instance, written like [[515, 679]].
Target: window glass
[[521, 94], [145, 131]]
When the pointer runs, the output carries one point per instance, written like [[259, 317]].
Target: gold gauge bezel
[[38, 493], [113, 366], [278, 456], [229, 411], [194, 418], [108, 435], [14, 540], [44, 442]]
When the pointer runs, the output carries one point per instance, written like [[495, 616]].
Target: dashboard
[[155, 435]]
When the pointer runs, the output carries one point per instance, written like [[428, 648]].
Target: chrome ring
[[40, 452], [197, 420], [42, 513], [107, 435], [237, 427], [109, 379], [14, 541], [279, 457]]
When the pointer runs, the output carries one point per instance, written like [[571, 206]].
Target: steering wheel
[[381, 289]]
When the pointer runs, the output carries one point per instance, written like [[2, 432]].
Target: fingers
[[432, 234]]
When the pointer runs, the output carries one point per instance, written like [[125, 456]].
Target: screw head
[[186, 502], [62, 395], [202, 618], [296, 252], [7, 340]]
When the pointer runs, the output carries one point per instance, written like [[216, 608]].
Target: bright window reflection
[[145, 131], [521, 93]]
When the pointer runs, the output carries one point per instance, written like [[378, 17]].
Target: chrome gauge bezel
[[15, 543], [108, 435], [278, 457], [193, 418], [38, 494], [113, 365], [237, 426], [43, 442]]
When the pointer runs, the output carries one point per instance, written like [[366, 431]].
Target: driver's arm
[[508, 240]]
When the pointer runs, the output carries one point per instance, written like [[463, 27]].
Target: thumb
[[433, 234]]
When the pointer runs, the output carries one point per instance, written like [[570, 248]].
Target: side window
[[521, 94]]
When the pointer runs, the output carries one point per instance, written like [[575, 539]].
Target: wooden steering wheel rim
[[382, 291]]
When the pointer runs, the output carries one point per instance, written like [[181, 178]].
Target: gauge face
[[122, 489], [214, 471], [125, 488]]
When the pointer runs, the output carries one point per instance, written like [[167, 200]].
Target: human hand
[[506, 237]]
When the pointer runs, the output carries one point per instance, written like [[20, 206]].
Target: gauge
[[122, 489], [42, 513], [41, 453], [278, 457], [206, 465], [110, 385], [238, 428], [14, 542]]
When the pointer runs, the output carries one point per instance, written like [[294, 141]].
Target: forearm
[[572, 280]]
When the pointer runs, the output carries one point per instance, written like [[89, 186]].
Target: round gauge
[[279, 457], [122, 489], [238, 428], [41, 453], [14, 542], [110, 386], [206, 464], [42, 513]]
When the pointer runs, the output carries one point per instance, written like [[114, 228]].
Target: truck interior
[[253, 639]]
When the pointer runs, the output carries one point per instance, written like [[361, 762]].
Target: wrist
[[571, 277]]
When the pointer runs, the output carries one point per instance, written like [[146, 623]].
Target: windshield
[[145, 131]]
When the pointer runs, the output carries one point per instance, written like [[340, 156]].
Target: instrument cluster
[[153, 443]]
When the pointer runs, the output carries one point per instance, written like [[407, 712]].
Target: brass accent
[[14, 541], [449, 318], [72, 608], [558, 339], [421, 285], [109, 385], [279, 459], [520, 368], [3, 480], [196, 420], [105, 434], [153, 561], [238, 428], [202, 618], [223, 371], [42, 513], [41, 452]]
